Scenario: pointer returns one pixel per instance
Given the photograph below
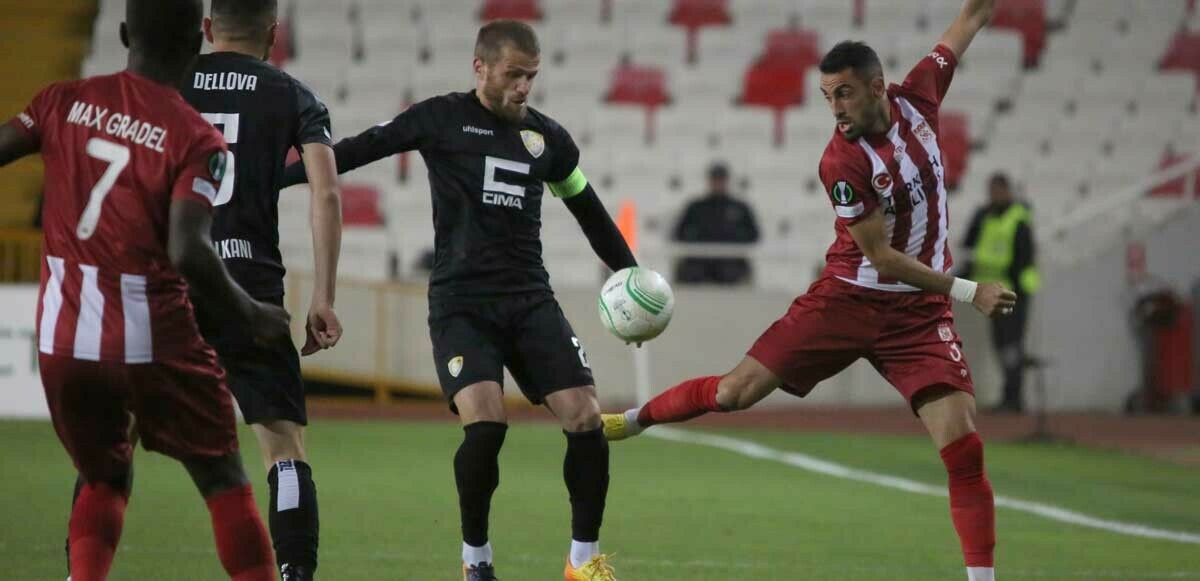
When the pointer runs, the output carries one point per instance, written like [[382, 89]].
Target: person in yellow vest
[[1000, 239]]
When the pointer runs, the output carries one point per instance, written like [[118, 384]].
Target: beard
[[509, 112]]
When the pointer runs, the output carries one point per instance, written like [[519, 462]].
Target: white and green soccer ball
[[636, 304]]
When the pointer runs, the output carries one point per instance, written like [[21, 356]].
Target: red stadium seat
[[360, 205], [1027, 17], [955, 141], [700, 13], [797, 47], [1175, 188], [281, 52], [1183, 55], [774, 84], [514, 9], [696, 14], [638, 85]]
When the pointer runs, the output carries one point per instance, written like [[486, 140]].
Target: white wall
[[20, 387]]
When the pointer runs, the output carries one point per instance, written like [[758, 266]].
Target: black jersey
[[263, 113], [486, 177]]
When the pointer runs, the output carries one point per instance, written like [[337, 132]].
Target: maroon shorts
[[909, 337], [180, 407]]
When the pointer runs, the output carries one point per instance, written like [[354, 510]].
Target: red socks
[[242, 542], [972, 506], [95, 529], [692, 398]]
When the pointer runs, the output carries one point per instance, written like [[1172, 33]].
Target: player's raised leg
[[477, 471], [585, 471], [949, 416], [739, 389], [242, 542]]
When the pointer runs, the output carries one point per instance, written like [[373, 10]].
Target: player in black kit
[[264, 113], [490, 302]]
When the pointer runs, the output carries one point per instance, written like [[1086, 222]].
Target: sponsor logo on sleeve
[[216, 166], [843, 193], [939, 59]]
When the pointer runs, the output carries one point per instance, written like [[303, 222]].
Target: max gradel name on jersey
[[117, 124]]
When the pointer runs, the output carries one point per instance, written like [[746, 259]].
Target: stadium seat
[[694, 15], [774, 85], [1183, 55], [360, 205], [638, 85], [1176, 187], [513, 9], [1027, 17], [955, 141]]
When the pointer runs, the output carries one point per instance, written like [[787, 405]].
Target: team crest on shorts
[[455, 366], [535, 144], [945, 333]]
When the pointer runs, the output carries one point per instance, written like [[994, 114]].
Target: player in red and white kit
[[131, 173], [885, 293]]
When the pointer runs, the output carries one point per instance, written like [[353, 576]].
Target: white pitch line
[[813, 464]]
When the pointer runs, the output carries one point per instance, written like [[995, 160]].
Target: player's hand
[[993, 300], [323, 329], [269, 323]]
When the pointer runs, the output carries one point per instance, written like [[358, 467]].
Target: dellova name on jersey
[[225, 82], [117, 125]]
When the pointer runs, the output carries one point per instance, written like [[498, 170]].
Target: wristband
[[963, 290]]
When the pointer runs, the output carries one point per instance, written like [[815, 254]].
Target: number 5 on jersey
[[228, 123]]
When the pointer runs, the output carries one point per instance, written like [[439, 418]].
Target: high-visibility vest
[[993, 255]]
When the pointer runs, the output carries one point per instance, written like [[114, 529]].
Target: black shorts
[[265, 379], [474, 341]]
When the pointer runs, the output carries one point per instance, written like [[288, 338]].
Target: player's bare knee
[[582, 420]]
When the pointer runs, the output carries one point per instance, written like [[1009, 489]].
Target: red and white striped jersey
[[901, 172], [118, 149]]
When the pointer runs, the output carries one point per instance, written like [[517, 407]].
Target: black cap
[[718, 170]]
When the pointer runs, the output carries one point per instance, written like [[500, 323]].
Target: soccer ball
[[636, 304]]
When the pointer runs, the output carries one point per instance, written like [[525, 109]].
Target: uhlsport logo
[[843, 193], [455, 366], [534, 142]]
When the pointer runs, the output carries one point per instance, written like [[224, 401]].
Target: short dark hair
[[494, 35], [1000, 179], [166, 29], [246, 19], [855, 55]]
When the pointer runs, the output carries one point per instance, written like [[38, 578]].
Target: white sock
[[632, 427], [583, 552], [981, 574], [477, 555]]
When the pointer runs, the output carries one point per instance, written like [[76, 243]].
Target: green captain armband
[[570, 187]]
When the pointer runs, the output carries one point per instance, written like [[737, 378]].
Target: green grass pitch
[[675, 511]]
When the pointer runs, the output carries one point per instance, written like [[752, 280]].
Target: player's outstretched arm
[[191, 251], [991, 299], [412, 129], [15, 144], [974, 15], [323, 329], [602, 233]]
